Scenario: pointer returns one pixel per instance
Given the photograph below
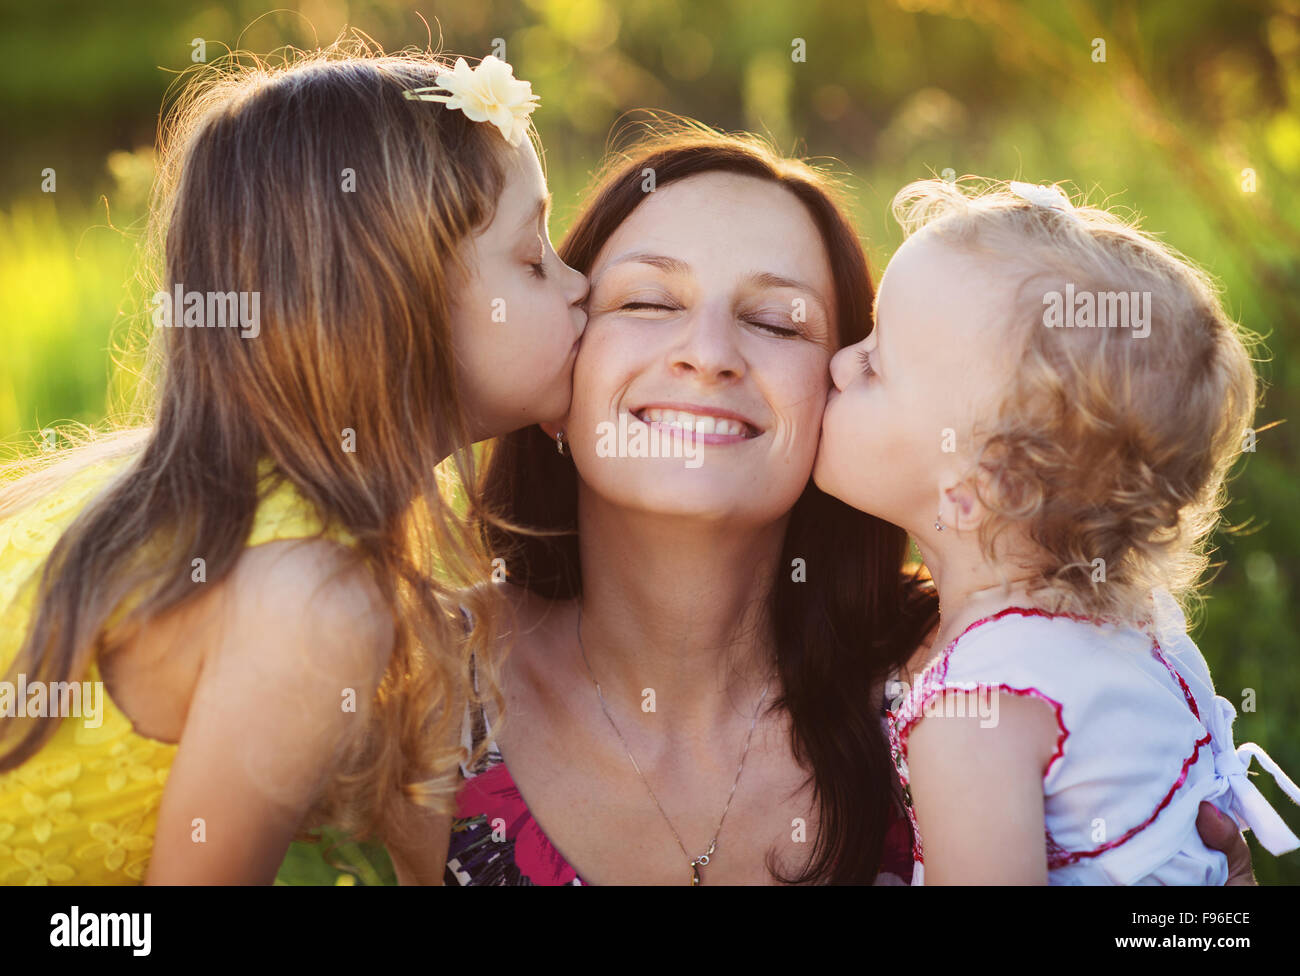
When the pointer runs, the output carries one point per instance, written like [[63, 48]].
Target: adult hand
[[1218, 831]]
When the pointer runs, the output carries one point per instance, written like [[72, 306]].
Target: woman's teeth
[[699, 423]]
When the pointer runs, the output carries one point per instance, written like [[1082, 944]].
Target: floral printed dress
[[84, 809], [494, 839]]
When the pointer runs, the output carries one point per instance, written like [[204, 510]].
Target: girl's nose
[[577, 286]]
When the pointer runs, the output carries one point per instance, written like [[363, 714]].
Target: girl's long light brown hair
[[354, 276]]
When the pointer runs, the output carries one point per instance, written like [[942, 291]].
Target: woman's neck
[[677, 606]]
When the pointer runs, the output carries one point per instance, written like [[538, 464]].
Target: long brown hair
[[836, 636], [317, 184]]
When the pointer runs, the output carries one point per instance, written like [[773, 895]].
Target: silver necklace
[[703, 860]]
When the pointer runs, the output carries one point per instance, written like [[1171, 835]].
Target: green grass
[[348, 863]]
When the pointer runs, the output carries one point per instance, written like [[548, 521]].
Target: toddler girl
[[1049, 403]]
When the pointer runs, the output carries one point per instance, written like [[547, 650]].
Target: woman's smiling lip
[[752, 429]]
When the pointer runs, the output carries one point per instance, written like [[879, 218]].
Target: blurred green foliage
[[1191, 119]]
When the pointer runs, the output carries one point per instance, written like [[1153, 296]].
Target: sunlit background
[[1186, 113]]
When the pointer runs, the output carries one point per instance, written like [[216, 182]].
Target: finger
[[1220, 833]]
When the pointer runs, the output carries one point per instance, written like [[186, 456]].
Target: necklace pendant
[[695, 873]]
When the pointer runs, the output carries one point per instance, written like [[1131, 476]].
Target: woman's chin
[[695, 497]]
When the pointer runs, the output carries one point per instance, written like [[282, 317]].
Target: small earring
[[938, 524], [559, 443]]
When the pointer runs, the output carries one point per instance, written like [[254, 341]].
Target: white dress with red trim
[[1142, 740]]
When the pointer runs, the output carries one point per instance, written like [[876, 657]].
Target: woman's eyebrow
[[661, 261], [766, 279]]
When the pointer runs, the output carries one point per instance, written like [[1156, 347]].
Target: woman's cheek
[[593, 369], [811, 393], [586, 368]]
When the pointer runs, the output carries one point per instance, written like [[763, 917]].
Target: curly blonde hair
[[1110, 443]]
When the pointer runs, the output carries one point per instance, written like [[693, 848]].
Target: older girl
[[250, 578]]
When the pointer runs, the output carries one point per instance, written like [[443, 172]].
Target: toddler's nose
[[839, 367]]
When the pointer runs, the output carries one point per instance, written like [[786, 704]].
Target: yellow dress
[[84, 809]]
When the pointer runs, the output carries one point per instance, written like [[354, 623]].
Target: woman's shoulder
[[527, 667], [530, 627]]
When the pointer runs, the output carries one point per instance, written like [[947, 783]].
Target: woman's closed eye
[[776, 322], [645, 301], [776, 325]]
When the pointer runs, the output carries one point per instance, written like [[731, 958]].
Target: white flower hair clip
[[1052, 197], [488, 93]]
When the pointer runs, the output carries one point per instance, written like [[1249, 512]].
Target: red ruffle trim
[[933, 682]]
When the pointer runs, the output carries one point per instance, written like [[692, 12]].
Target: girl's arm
[[978, 792], [298, 636]]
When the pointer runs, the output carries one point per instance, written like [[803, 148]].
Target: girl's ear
[[959, 506]]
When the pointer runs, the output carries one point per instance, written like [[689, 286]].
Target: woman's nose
[[709, 346]]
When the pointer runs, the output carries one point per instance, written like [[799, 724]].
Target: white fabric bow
[[1246, 802]]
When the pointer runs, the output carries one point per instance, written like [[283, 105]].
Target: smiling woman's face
[[712, 314]]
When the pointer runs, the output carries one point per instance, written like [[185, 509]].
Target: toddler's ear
[[959, 506]]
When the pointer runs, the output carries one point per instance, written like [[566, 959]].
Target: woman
[[723, 607], [692, 693]]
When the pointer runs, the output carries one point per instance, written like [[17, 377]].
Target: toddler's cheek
[[840, 442]]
